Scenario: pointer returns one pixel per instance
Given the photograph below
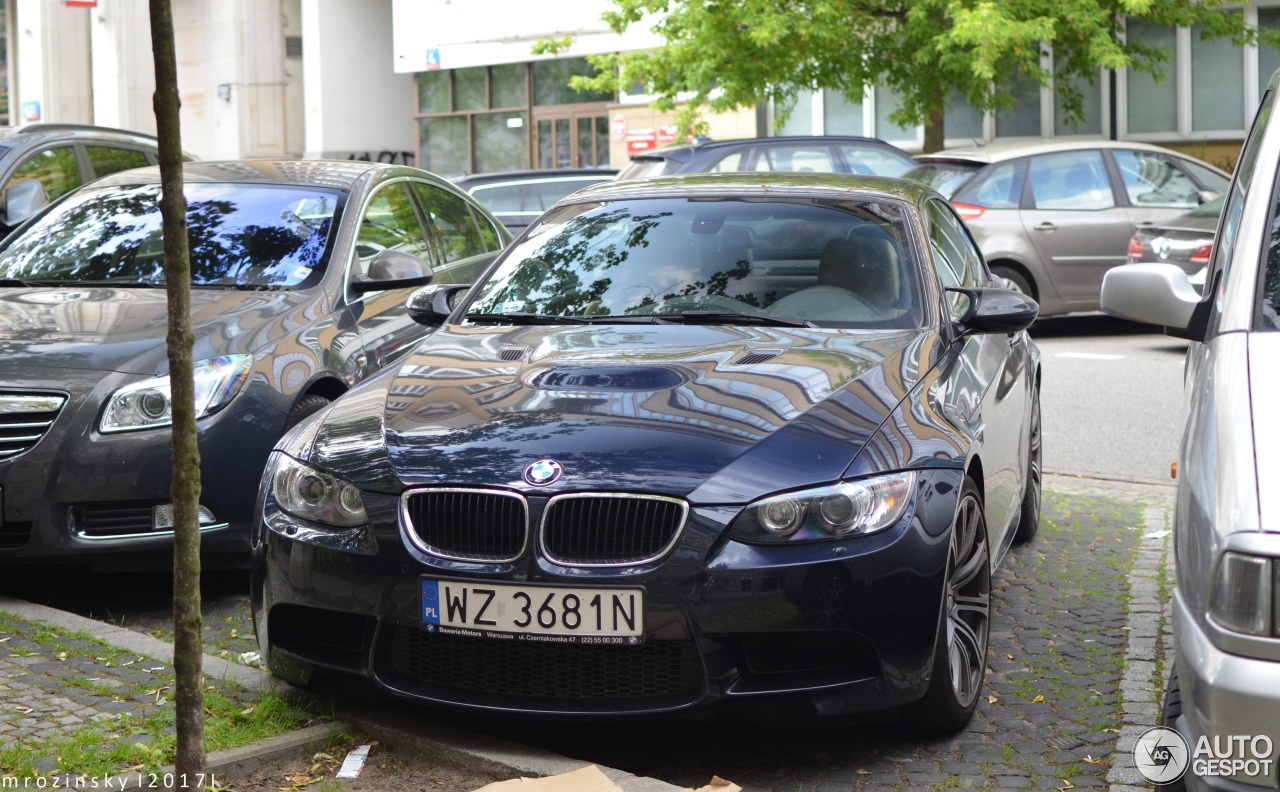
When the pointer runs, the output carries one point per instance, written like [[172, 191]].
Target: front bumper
[[843, 626], [1224, 695], [82, 497]]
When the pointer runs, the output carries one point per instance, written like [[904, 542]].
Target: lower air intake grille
[[115, 519], [470, 525], [547, 671], [25, 418], [610, 530]]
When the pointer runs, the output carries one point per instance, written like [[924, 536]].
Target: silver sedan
[[1052, 217], [1224, 689]]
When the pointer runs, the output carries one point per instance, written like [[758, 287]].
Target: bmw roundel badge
[[543, 472]]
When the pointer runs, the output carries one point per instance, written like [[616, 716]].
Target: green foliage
[[721, 55]]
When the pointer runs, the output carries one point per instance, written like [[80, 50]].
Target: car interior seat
[[866, 266]]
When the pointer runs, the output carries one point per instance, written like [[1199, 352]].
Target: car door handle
[[1046, 226]]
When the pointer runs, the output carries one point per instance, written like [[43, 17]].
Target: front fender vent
[[753, 357], [512, 353]]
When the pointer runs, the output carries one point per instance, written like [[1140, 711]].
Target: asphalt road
[[1111, 397]]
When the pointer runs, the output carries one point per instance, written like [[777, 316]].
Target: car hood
[[716, 414], [124, 329]]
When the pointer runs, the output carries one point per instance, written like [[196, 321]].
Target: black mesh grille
[[24, 421], [116, 519], [752, 358], [477, 526], [609, 529], [512, 353], [547, 671]]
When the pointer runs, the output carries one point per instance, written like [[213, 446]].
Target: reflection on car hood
[[124, 329], [715, 413]]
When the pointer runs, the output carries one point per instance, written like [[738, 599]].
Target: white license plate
[[553, 614]]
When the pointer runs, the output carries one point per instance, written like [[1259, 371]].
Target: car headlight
[[848, 508], [1241, 598], [314, 495], [146, 404]]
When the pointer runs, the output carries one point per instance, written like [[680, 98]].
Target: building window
[[1217, 83], [1152, 105], [1022, 118], [840, 115], [551, 83]]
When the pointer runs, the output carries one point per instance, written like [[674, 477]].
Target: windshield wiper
[[123, 284], [624, 319], [27, 283], [239, 286], [729, 317], [524, 318]]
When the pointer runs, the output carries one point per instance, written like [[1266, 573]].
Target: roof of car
[[1006, 150], [773, 184], [467, 182], [707, 143], [341, 174], [38, 132]]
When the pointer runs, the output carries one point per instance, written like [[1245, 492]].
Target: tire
[[1029, 522], [1019, 281], [1169, 719], [960, 652], [307, 406]]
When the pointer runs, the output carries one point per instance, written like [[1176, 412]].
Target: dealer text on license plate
[[534, 613]]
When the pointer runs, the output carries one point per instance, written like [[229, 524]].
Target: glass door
[[577, 140]]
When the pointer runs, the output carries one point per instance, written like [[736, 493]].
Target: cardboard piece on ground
[[587, 779], [718, 784]]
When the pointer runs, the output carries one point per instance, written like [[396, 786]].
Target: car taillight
[[1135, 248], [968, 212], [1202, 253]]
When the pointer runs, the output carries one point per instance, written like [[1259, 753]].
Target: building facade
[[452, 86]]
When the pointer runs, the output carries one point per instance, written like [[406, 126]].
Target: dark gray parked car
[[517, 198], [798, 154], [42, 162], [300, 272]]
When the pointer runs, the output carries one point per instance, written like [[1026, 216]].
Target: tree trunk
[[185, 491], [934, 132]]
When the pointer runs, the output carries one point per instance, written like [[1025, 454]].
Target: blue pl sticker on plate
[[430, 602]]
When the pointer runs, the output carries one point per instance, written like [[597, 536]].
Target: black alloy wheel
[[960, 659], [1029, 522]]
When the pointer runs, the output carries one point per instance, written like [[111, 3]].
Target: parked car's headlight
[[848, 508], [145, 405], [1241, 598], [314, 495]]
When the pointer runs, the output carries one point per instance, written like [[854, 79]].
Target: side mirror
[[1158, 294], [431, 305], [22, 200], [997, 310], [393, 269]]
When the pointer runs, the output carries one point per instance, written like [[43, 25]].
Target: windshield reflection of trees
[[118, 237], [573, 272]]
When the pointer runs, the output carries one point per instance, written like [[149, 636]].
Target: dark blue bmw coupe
[[689, 441]]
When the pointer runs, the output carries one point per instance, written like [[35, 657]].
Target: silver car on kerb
[[1223, 694]]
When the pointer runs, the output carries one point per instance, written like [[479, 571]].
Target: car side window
[[54, 168], [1153, 180], [999, 187], [797, 159], [1210, 179], [958, 264], [1071, 180], [389, 222], [869, 159], [729, 163], [456, 232], [107, 160]]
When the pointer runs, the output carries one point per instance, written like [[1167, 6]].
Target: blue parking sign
[[433, 59]]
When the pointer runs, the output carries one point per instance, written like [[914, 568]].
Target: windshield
[[945, 177], [241, 235], [713, 260]]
